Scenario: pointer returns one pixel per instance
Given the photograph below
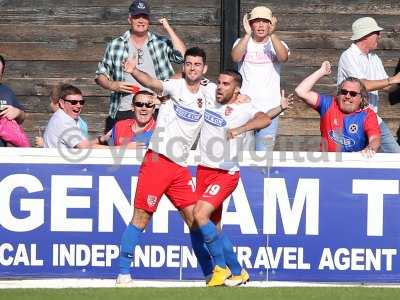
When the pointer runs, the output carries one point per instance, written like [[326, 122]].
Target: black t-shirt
[[7, 96]]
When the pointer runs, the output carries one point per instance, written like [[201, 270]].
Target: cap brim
[[264, 18], [139, 13]]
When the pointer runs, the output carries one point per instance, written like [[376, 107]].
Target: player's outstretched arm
[[286, 103], [260, 120], [142, 77]]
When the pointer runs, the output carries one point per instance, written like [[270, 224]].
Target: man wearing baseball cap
[[260, 54], [361, 62], [155, 56]]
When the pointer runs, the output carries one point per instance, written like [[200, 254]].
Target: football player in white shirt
[[218, 173], [163, 170]]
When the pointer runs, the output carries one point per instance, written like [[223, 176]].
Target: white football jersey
[[179, 120], [215, 149]]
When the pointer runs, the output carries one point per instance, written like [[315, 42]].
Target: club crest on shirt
[[353, 128], [151, 200], [200, 102], [228, 110]]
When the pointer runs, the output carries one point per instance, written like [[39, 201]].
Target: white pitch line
[[110, 283]]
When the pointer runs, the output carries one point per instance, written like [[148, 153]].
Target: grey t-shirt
[[62, 131], [145, 63]]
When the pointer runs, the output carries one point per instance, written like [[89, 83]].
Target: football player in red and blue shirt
[[347, 124]]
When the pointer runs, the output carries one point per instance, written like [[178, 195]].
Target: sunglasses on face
[[75, 102], [345, 92], [141, 104]]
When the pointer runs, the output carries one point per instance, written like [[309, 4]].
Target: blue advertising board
[[330, 221]]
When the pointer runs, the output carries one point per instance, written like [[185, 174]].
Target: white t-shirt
[[179, 120], [261, 73], [62, 131], [355, 63], [215, 149]]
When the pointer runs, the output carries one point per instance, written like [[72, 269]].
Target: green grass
[[325, 293]]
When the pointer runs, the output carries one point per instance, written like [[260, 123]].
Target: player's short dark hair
[[196, 51], [141, 92], [69, 89], [3, 62], [363, 90], [235, 74]]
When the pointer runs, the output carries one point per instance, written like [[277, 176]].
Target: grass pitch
[[222, 293]]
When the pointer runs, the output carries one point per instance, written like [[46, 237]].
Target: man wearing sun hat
[[361, 62], [260, 54]]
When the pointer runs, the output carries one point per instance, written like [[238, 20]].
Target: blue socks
[[201, 251], [230, 256], [129, 240], [213, 243], [206, 236], [204, 258]]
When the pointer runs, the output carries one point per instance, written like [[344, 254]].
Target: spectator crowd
[[259, 54]]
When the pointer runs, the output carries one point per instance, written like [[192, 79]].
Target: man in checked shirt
[[155, 56]]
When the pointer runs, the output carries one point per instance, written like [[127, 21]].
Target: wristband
[[388, 81]]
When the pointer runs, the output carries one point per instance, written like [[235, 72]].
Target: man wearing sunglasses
[[64, 129], [136, 133], [361, 62], [347, 123], [155, 55]]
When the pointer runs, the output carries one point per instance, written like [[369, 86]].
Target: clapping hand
[[246, 24], [272, 26]]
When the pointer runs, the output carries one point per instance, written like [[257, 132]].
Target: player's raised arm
[[142, 77], [286, 103]]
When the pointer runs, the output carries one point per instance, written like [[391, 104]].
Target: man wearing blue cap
[[361, 62], [155, 56]]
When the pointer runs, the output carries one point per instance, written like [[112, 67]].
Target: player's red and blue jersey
[[344, 132]]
